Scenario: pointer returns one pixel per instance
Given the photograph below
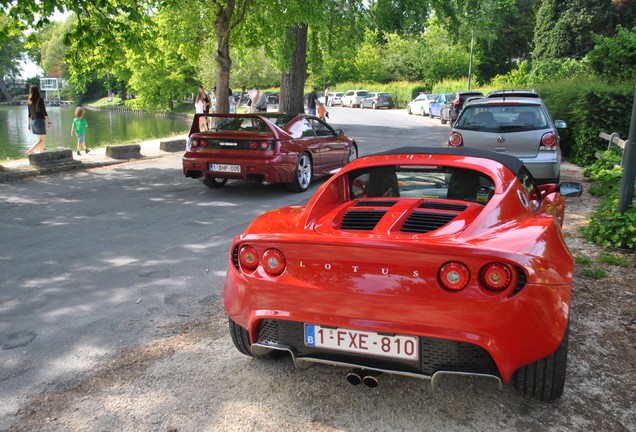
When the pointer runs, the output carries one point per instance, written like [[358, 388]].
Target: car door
[[304, 139], [333, 150]]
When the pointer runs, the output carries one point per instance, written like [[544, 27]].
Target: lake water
[[104, 128]]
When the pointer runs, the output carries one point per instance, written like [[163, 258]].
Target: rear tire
[[302, 174], [241, 338], [545, 378], [214, 182], [353, 153]]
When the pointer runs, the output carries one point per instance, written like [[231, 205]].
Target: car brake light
[[496, 276], [377, 99], [455, 140], [248, 257], [454, 276], [548, 141], [264, 145], [203, 143], [194, 143], [273, 262], [253, 145]]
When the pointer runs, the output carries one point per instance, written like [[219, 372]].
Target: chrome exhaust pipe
[[370, 379], [355, 377]]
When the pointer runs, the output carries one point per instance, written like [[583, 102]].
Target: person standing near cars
[[311, 101], [38, 119], [326, 96], [201, 103]]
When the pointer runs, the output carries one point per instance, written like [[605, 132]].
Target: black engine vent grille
[[363, 220], [375, 203], [443, 206], [423, 222]]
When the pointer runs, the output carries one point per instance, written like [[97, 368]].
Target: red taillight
[[273, 262], [264, 145], [454, 276], [455, 140], [548, 141], [377, 99], [253, 145], [203, 143], [194, 143], [496, 276], [248, 258]]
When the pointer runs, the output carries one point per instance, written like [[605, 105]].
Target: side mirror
[[570, 189], [339, 132], [560, 124]]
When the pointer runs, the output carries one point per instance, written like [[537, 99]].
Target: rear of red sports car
[[406, 280]]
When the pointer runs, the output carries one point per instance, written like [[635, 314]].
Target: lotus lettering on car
[[419, 262]]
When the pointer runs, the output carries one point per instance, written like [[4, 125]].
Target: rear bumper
[[546, 166], [466, 335], [273, 170]]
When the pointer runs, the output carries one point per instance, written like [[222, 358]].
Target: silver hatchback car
[[520, 127]]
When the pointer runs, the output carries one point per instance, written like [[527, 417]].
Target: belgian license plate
[[362, 342], [225, 168]]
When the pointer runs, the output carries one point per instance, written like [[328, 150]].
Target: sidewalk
[[21, 168]]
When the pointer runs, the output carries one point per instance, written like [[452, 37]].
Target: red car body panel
[[386, 280], [278, 163]]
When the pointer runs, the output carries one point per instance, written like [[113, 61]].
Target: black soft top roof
[[508, 161]]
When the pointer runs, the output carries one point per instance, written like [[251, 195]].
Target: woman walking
[[38, 119]]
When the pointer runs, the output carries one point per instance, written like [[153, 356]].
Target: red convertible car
[[269, 147], [419, 262]]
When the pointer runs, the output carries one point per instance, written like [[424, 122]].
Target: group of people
[[257, 102], [39, 121]]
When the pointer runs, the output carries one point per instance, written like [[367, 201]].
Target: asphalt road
[[95, 261]]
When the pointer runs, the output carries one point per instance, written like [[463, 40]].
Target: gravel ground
[[195, 380]]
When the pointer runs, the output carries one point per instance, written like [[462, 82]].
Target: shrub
[[611, 229]]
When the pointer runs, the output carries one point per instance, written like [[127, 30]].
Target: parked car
[[521, 127], [353, 98], [375, 100], [450, 111], [271, 147], [421, 104], [272, 102], [335, 99], [417, 262], [513, 93], [436, 107]]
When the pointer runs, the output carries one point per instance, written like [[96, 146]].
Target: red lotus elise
[[269, 147], [419, 262]]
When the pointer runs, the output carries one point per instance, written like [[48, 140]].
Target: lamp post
[[470, 62]]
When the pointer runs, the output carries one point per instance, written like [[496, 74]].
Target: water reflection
[[104, 128]]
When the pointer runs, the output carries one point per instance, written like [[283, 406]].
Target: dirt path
[[195, 380]]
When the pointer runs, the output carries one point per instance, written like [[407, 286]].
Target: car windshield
[[421, 182], [503, 117], [362, 93]]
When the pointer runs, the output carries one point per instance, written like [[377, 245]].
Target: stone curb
[[9, 174]]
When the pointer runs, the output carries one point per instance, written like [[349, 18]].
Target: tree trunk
[[5, 90], [224, 62], [292, 84]]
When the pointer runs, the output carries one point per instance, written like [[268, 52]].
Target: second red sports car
[[269, 147]]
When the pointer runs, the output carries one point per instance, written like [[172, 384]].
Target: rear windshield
[[421, 182], [362, 93], [246, 124], [503, 117]]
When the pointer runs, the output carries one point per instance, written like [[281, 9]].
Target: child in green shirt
[[79, 128]]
